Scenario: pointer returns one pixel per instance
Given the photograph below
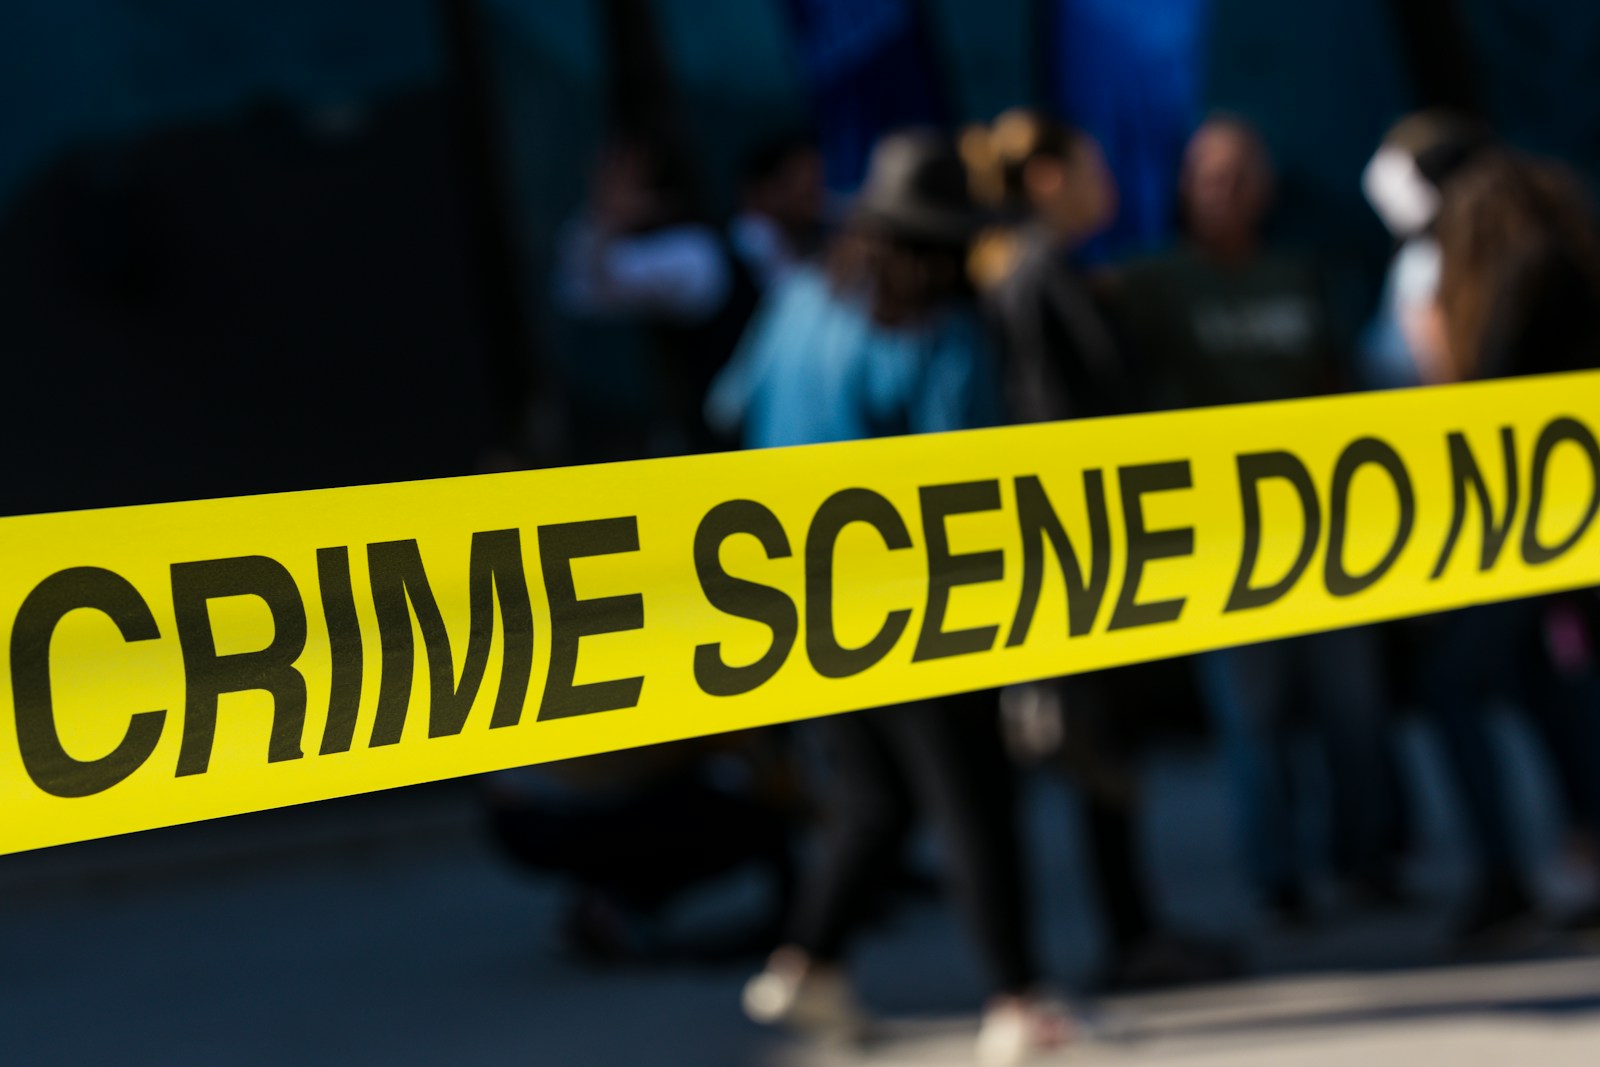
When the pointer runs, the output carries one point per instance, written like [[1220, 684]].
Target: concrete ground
[[1545, 1013], [385, 930]]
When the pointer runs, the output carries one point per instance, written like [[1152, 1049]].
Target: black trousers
[[944, 759], [1112, 831]]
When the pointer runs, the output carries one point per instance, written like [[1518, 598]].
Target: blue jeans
[[1333, 682], [1495, 650]]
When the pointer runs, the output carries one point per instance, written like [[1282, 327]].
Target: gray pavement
[[384, 930], [1545, 1013]]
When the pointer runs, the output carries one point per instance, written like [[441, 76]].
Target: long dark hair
[[1519, 283]]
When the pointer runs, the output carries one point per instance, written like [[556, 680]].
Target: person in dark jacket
[[783, 209], [1061, 357], [641, 251], [1062, 360]]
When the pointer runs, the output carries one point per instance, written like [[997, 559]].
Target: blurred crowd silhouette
[[874, 269], [949, 292], [965, 282]]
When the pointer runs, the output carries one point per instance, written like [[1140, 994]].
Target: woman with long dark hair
[[1519, 293]]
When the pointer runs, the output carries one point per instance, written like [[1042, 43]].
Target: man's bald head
[[1227, 185]]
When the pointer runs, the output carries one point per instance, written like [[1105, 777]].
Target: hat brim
[[919, 221]]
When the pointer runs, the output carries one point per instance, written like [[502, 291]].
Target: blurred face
[[1226, 187], [1075, 197], [621, 191], [794, 196]]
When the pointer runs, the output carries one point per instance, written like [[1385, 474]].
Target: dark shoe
[[1165, 960], [598, 930], [1500, 918], [1585, 923], [1287, 907], [1383, 892]]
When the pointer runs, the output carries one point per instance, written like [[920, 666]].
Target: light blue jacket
[[813, 367]]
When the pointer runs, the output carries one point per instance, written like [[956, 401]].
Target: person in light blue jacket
[[882, 338], [816, 366], [886, 339]]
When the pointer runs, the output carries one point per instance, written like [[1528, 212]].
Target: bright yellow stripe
[[99, 681]]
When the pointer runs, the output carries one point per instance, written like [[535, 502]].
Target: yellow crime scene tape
[[176, 662]]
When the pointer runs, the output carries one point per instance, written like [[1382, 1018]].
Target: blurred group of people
[[950, 293]]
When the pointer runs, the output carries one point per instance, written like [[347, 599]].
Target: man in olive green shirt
[[1224, 319], [1227, 320]]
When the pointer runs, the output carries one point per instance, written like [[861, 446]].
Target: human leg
[[1245, 690]]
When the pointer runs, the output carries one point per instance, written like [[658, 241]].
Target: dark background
[[271, 245]]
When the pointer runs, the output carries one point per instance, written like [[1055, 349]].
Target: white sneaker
[[817, 1001], [1018, 1029]]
